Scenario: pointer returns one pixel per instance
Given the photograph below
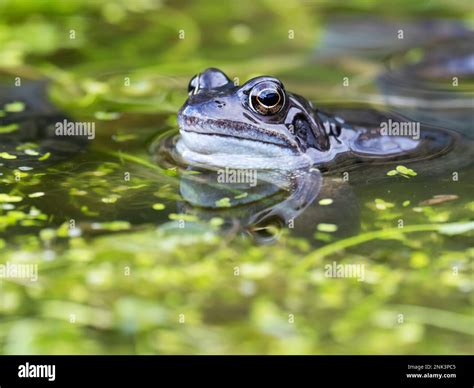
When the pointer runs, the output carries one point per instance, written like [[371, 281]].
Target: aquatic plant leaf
[[457, 228], [14, 107], [8, 128]]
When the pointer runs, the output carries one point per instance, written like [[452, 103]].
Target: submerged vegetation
[[124, 266]]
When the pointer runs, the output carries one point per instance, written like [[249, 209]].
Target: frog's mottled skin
[[219, 127]]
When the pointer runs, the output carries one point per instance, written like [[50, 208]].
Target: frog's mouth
[[222, 135], [222, 142]]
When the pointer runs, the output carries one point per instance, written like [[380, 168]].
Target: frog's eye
[[267, 98], [193, 85]]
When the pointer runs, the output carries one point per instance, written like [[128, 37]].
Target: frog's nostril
[[219, 103], [189, 111]]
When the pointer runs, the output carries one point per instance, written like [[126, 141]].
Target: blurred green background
[[132, 281]]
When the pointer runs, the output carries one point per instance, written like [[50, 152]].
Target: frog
[[262, 125], [302, 153]]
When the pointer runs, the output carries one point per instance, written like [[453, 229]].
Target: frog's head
[[222, 124]]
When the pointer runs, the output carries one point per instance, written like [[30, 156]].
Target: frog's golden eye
[[193, 85], [267, 98]]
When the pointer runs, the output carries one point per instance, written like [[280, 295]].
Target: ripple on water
[[434, 85]]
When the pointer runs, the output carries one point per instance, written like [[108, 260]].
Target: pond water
[[136, 254]]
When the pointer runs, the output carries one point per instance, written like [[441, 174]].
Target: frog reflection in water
[[261, 126]]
